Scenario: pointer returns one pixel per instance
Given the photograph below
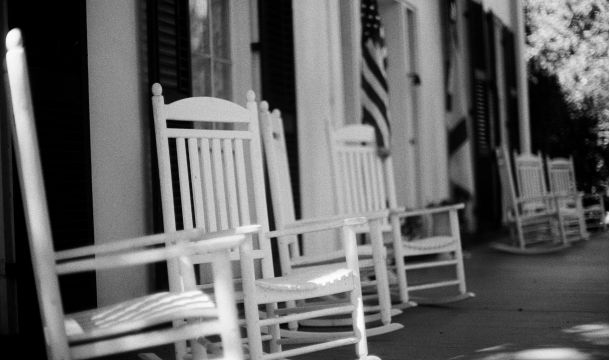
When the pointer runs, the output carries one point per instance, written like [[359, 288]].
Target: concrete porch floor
[[522, 302]]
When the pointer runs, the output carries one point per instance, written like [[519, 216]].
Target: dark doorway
[[278, 76]]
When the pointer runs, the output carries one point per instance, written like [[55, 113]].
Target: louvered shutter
[[512, 99], [169, 53], [481, 61], [493, 101], [169, 63]]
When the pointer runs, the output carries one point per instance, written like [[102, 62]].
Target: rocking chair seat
[[308, 279], [595, 207], [138, 313], [569, 212], [431, 245]]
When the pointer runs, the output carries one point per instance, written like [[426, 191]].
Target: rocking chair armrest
[[147, 256], [298, 227], [568, 195], [597, 196], [426, 211], [149, 240], [370, 215], [526, 199]]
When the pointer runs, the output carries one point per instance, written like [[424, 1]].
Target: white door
[[400, 23]]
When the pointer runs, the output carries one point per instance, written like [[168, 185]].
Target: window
[[211, 63]]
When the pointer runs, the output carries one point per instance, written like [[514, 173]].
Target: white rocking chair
[[219, 184], [535, 224], [529, 169], [562, 180], [135, 324], [372, 258], [364, 182]]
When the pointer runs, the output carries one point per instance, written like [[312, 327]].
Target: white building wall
[[121, 205]]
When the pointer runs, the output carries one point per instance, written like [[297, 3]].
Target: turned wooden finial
[[14, 39], [250, 96], [264, 106], [157, 90]]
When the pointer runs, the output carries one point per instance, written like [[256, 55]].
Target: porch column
[[521, 67], [319, 96]]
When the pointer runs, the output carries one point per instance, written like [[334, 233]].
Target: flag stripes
[[374, 86]]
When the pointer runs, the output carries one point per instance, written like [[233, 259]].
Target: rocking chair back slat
[[206, 169], [242, 187], [185, 188], [232, 198], [194, 162], [219, 184]]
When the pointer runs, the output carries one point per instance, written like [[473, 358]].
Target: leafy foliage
[[567, 49]]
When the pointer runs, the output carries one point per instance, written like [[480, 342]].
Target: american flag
[[374, 95]]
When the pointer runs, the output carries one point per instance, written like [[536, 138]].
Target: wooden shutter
[[512, 99], [478, 62], [493, 120], [169, 52], [487, 205], [169, 63]]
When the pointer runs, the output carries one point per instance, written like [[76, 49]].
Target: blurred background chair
[[562, 180], [371, 257], [529, 170], [136, 324], [534, 221], [364, 182]]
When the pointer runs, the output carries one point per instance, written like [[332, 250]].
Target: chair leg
[[561, 225], [198, 351], [582, 225], [274, 330], [223, 288], [455, 232], [520, 236], [381, 272], [293, 325], [348, 237], [255, 341], [401, 272]]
